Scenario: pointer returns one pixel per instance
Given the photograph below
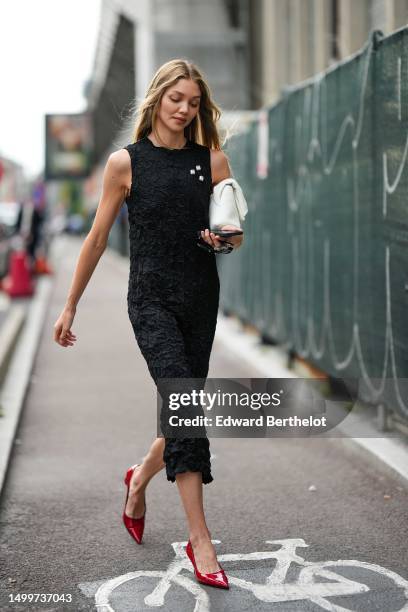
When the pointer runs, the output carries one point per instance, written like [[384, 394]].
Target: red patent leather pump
[[135, 526], [217, 579]]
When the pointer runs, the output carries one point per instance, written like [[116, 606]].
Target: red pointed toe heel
[[217, 579], [135, 526]]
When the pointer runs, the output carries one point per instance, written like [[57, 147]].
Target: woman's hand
[[216, 241], [236, 241], [62, 328], [211, 238]]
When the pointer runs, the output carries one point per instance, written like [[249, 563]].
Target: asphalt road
[[90, 413]]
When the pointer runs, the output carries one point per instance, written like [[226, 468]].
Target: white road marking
[[306, 588]]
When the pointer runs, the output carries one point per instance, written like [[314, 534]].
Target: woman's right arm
[[117, 179]]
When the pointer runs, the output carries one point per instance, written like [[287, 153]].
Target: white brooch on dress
[[193, 171]]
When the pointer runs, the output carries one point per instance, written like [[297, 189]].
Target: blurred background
[[314, 106]]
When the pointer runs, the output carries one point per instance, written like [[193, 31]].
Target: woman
[[166, 178]]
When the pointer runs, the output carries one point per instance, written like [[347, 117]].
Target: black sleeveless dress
[[173, 291]]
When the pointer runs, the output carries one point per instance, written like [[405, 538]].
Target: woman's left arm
[[220, 170]]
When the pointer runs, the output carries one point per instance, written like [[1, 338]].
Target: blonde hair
[[202, 129]]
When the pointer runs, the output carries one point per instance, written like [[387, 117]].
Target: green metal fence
[[323, 268]]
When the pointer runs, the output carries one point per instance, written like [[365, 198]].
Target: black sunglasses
[[218, 251]]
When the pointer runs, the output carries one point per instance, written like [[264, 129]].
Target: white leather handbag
[[227, 204]]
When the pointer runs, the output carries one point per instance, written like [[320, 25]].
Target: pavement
[[305, 524]]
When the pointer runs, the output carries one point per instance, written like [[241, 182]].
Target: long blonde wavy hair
[[202, 129]]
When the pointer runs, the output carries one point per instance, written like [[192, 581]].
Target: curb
[[21, 359], [18, 373], [9, 333]]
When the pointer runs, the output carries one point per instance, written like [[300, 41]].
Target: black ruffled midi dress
[[173, 290]]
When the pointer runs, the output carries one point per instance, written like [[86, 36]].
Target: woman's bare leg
[[152, 464], [190, 487], [191, 492]]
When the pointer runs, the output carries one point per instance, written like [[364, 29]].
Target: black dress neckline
[[186, 147]]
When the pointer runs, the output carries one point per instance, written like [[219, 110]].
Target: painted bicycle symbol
[[306, 588]]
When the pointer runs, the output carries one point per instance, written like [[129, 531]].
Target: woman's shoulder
[[120, 160], [118, 166], [218, 156], [220, 168]]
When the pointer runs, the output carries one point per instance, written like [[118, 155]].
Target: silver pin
[[201, 177], [192, 171], [198, 167]]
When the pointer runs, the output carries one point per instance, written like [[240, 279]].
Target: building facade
[[291, 40], [14, 186]]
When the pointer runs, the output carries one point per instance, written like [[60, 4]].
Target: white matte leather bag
[[227, 204]]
